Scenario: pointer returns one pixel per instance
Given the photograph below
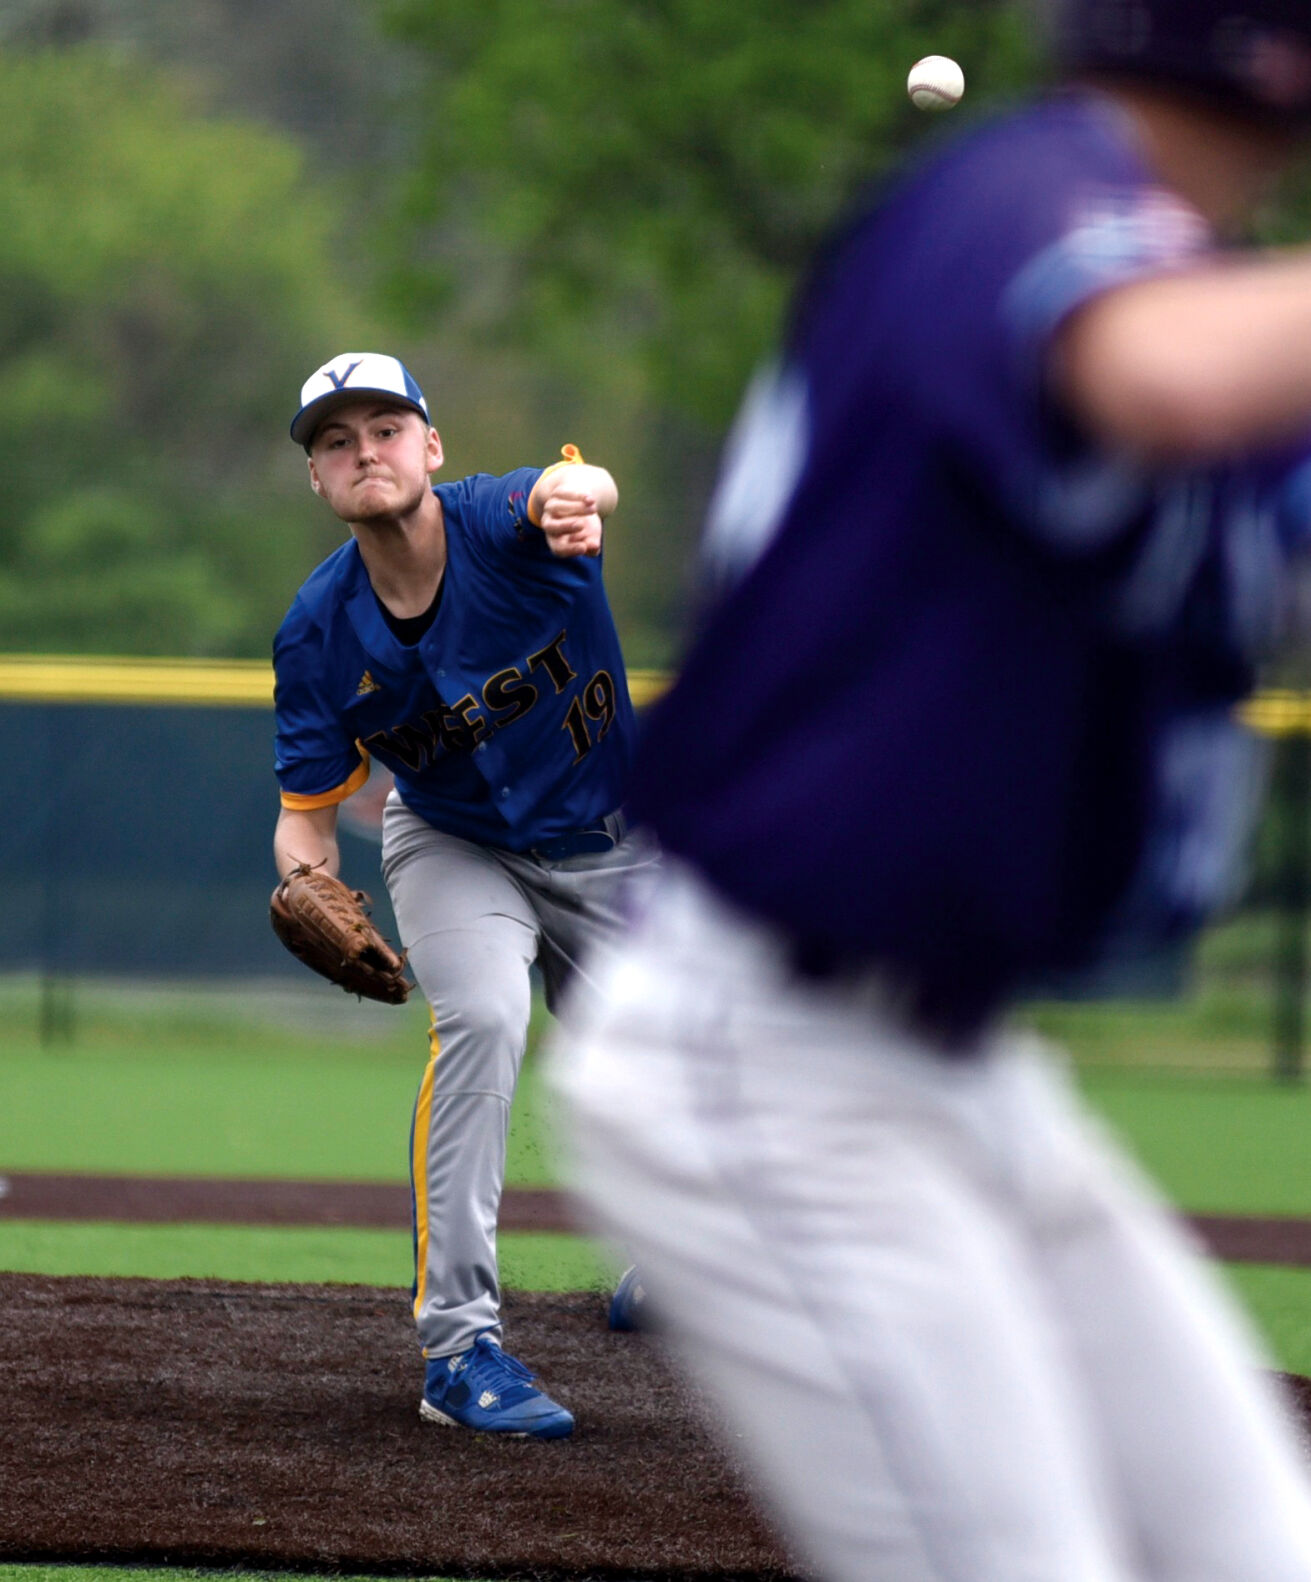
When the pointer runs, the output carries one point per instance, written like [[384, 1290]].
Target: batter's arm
[[1194, 366], [306, 835], [570, 504]]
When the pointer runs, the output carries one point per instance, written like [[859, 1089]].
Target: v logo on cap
[[340, 382]]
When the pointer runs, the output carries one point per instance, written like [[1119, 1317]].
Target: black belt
[[596, 838]]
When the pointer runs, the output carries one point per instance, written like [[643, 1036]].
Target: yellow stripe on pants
[[419, 1166]]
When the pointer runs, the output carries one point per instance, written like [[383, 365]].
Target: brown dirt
[[1240, 1238], [208, 1423], [205, 1423], [202, 1423], [158, 1200]]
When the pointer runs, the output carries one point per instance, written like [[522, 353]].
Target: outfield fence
[[138, 841]]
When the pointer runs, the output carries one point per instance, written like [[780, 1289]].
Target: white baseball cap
[[348, 377]]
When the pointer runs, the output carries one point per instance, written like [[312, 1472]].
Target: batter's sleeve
[[1025, 261]]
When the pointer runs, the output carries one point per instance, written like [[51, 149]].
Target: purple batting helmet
[[1249, 56]]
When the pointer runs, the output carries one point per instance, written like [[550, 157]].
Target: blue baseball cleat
[[485, 1389], [628, 1303]]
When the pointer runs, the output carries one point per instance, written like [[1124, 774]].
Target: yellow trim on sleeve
[[299, 803], [573, 457]]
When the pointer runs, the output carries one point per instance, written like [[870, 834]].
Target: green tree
[[165, 281], [319, 71], [654, 174]]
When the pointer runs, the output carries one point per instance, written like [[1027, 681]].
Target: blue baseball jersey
[[508, 723], [961, 699]]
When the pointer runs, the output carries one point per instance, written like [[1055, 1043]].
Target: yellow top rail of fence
[[231, 683], [72, 678], [1278, 712], [248, 683]]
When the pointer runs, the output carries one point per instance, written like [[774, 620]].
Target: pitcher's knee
[[479, 1039]]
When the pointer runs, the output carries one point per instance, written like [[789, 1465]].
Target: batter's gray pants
[[474, 919]]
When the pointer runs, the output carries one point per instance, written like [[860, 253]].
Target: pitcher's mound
[[205, 1423]]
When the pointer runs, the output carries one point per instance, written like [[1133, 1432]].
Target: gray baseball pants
[[959, 1337], [474, 919]]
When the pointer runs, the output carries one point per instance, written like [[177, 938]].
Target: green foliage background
[[576, 220], [653, 177], [163, 277]]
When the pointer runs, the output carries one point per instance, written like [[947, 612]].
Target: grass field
[[224, 1084], [204, 1085], [304, 1085]]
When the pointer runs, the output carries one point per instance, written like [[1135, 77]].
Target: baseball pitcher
[[461, 637]]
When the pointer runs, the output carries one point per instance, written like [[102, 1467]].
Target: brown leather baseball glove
[[326, 925]]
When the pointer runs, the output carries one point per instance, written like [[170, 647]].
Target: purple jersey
[[962, 701]]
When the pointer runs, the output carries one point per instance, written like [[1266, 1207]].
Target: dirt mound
[[276, 1426], [207, 1423]]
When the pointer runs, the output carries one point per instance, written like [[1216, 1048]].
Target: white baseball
[[935, 83]]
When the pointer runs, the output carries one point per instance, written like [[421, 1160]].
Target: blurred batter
[[999, 542]]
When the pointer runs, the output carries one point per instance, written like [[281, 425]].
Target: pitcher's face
[[370, 459]]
